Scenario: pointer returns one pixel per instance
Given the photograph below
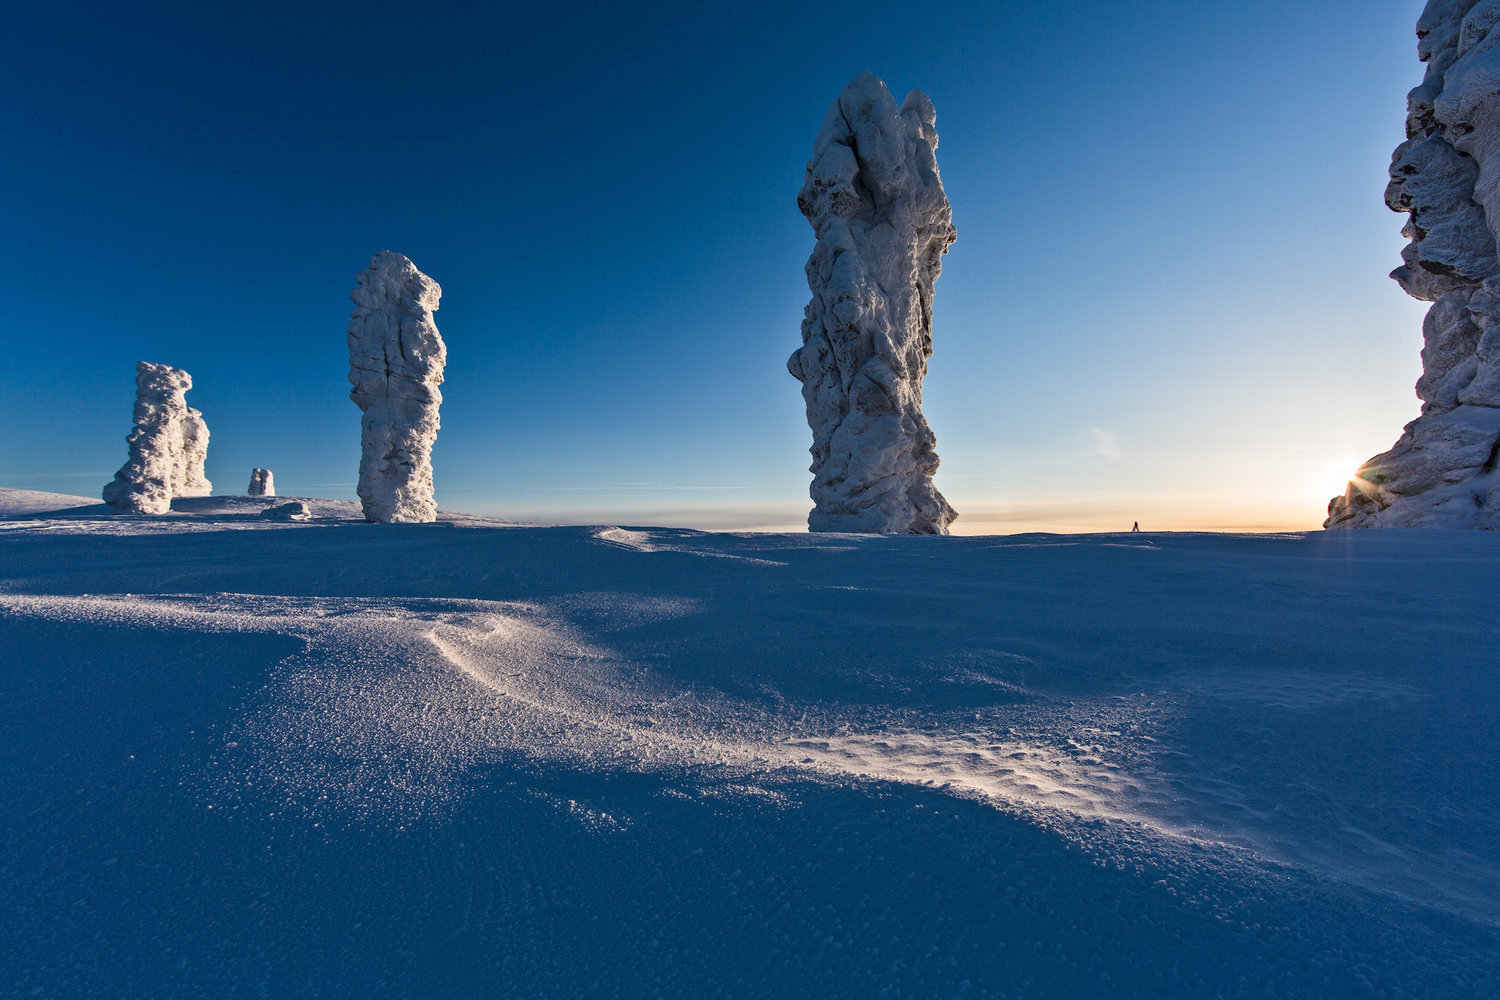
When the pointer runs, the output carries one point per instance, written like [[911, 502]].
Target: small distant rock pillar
[[168, 445], [874, 198], [262, 484], [396, 359]]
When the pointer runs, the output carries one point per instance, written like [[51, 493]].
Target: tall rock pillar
[[189, 480], [167, 445], [875, 201], [1446, 176], [396, 360]]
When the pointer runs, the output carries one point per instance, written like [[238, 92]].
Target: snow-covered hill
[[255, 757], [35, 501]]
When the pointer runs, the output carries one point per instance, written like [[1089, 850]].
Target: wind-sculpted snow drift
[[1442, 472], [396, 360], [168, 445], [873, 196], [637, 762]]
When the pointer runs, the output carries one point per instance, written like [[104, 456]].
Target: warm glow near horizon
[[1065, 516]]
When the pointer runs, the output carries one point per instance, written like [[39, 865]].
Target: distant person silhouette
[[1135, 527]]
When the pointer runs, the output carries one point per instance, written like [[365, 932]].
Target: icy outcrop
[[168, 445], [262, 483], [396, 360], [874, 198], [292, 510], [1446, 175]]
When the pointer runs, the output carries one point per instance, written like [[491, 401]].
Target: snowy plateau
[[276, 757]]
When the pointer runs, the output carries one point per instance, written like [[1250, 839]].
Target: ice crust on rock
[[1446, 175], [874, 198], [168, 445], [262, 483], [396, 360]]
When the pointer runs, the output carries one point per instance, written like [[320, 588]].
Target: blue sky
[[1167, 301]]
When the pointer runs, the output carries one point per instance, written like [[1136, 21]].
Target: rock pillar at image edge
[[1446, 176], [875, 201], [168, 445], [262, 483], [396, 360]]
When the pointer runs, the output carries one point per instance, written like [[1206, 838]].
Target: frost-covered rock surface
[[167, 445], [262, 483], [874, 198], [396, 360], [189, 480], [1446, 175]]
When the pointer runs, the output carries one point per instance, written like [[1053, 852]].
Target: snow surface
[[38, 501], [252, 757]]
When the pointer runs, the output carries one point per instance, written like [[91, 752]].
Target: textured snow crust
[[396, 359], [336, 758], [1446, 176], [874, 198], [168, 445]]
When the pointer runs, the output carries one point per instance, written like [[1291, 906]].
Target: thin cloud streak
[[1106, 443]]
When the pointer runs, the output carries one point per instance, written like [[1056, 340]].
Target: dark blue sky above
[[1170, 239]]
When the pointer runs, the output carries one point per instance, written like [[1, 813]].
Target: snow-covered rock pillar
[[874, 198], [189, 480], [167, 445], [396, 360], [262, 483], [1446, 175]]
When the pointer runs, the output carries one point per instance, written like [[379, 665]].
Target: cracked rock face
[[874, 198], [167, 445], [1446, 175], [396, 360], [262, 483]]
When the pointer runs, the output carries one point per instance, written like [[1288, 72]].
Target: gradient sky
[[1168, 299]]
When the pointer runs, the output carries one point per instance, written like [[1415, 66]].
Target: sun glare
[[1335, 476]]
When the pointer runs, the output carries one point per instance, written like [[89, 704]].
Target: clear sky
[[1167, 302]]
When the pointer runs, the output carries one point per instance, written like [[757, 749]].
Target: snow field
[[253, 757]]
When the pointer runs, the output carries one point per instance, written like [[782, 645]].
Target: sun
[[1334, 477]]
